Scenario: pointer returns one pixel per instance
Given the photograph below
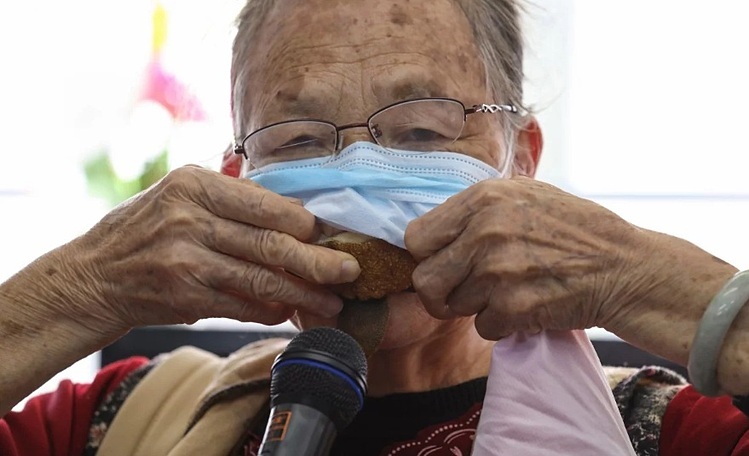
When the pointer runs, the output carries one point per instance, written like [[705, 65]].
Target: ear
[[530, 142], [231, 163]]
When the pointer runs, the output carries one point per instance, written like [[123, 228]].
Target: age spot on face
[[398, 16], [463, 62]]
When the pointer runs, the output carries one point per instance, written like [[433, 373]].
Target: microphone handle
[[297, 430]]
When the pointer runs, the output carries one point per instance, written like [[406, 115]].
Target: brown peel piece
[[385, 268], [365, 321]]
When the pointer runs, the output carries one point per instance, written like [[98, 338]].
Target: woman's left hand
[[523, 255]]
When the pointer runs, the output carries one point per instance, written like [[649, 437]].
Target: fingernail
[[350, 270]]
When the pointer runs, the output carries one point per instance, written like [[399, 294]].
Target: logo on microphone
[[277, 426]]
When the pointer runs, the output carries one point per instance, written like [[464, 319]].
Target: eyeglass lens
[[417, 125]]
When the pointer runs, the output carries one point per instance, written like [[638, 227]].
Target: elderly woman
[[504, 255]]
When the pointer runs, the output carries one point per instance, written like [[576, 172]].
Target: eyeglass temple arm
[[492, 108], [239, 150]]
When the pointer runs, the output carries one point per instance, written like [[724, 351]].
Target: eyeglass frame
[[490, 108]]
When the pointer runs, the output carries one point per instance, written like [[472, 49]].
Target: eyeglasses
[[424, 124]]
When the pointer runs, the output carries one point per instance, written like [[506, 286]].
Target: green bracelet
[[708, 341]]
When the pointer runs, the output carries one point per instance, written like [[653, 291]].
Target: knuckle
[[517, 305], [461, 309], [188, 183], [540, 318], [180, 178], [262, 206], [179, 221], [483, 194], [484, 185], [265, 285], [208, 230], [174, 225], [423, 280], [176, 260], [411, 235], [271, 248], [490, 273], [247, 312], [319, 276], [525, 304], [321, 272], [325, 266]]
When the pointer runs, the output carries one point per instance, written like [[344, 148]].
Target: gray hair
[[496, 28], [498, 35]]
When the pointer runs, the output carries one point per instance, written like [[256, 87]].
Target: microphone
[[317, 387]]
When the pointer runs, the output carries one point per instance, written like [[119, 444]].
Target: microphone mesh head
[[318, 383]]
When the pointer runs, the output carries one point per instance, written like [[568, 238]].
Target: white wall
[[644, 108]]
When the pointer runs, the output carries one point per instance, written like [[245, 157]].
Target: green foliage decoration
[[103, 182]]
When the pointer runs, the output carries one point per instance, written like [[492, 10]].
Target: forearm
[[667, 299], [40, 332]]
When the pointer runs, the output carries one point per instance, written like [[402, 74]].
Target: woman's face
[[342, 60]]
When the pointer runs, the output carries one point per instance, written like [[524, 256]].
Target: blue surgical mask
[[372, 190]]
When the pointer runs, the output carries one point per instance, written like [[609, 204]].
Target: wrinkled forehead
[[313, 55]]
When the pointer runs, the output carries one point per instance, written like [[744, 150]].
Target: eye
[[421, 135], [418, 137], [301, 141]]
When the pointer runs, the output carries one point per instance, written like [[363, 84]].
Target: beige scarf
[[173, 411]]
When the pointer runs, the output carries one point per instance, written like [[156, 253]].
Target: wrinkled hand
[[199, 244], [522, 255]]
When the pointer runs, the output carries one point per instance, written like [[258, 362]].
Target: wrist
[[709, 343], [41, 333], [667, 294], [733, 362], [633, 285]]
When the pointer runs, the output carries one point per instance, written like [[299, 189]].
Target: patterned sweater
[[662, 414], [443, 422]]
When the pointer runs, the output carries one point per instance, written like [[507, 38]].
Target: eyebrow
[[307, 106], [304, 106], [410, 89]]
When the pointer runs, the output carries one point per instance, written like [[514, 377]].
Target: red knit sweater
[[58, 423]]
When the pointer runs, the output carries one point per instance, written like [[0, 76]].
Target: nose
[[349, 134]]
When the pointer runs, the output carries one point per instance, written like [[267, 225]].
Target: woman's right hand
[[200, 244]]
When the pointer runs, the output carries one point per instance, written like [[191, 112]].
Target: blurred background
[[643, 105]]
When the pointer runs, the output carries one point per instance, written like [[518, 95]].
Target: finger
[[490, 327], [295, 201], [253, 282], [226, 305], [273, 248], [436, 277], [497, 320], [511, 310], [443, 224], [241, 200], [193, 303], [471, 296]]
